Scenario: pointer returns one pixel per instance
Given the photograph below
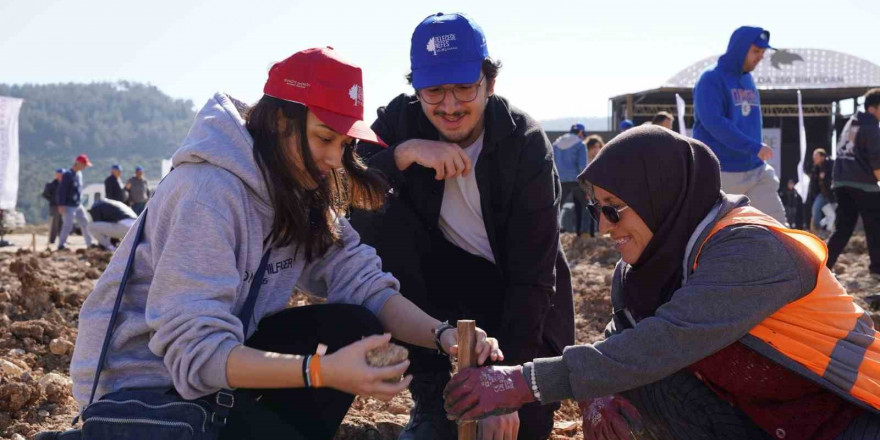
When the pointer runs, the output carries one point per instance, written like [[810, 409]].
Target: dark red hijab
[[671, 182]]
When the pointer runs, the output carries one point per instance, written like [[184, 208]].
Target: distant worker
[[793, 205], [68, 198], [625, 125], [820, 193], [138, 191], [49, 192], [727, 118], [594, 144], [856, 172], [663, 119], [570, 155], [111, 219], [113, 189]]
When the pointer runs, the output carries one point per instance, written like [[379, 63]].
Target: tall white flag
[[803, 185], [9, 108], [679, 102]]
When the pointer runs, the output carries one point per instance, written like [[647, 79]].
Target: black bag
[[152, 414]]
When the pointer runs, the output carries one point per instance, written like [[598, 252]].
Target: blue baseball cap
[[763, 40], [626, 124], [447, 49], [116, 167], [59, 170], [138, 168], [578, 127]]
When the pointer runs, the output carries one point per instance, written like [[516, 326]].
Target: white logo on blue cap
[[441, 43]]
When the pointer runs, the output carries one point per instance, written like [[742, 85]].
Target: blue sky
[[561, 58]]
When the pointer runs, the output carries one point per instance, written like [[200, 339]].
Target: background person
[[856, 172], [727, 118], [69, 202], [820, 193], [257, 190], [570, 156], [111, 219], [754, 339], [663, 119], [138, 190], [113, 189], [49, 192]]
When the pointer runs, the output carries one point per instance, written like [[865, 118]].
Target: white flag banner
[[803, 185], [9, 108], [679, 102]]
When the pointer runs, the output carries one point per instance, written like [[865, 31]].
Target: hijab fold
[[671, 182]]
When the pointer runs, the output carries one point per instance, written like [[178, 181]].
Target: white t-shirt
[[461, 217]]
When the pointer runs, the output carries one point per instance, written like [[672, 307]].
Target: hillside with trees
[[127, 123]]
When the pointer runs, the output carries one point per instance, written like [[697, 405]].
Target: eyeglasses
[[461, 92], [611, 213]]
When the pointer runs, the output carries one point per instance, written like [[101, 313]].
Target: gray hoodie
[[202, 244]]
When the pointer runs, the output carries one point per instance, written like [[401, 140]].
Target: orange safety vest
[[825, 331]]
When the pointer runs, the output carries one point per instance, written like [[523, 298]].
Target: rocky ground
[[40, 296]]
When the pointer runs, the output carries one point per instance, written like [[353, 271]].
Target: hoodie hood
[[566, 141], [738, 47], [219, 137]]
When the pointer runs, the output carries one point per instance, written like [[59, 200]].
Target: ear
[[490, 88]]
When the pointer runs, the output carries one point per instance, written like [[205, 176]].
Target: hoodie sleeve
[[709, 108], [745, 274], [192, 295], [350, 273]]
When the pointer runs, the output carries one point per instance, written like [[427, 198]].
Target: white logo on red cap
[[356, 93], [441, 43], [294, 83]]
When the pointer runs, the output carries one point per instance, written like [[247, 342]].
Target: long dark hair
[[306, 216]]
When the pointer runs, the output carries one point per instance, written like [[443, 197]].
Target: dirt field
[[40, 296]]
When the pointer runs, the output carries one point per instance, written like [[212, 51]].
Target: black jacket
[[69, 191], [113, 189], [519, 192], [821, 177], [49, 192], [111, 211], [858, 152]]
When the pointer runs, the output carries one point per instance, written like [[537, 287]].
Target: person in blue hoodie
[[727, 118], [570, 155]]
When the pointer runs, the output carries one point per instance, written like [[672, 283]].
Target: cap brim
[[347, 125], [764, 44], [465, 72]]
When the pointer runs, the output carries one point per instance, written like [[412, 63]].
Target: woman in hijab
[[725, 323]]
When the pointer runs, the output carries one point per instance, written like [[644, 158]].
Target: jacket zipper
[[125, 421]]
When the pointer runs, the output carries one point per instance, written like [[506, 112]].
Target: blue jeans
[[818, 215]]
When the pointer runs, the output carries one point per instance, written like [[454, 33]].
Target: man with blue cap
[[470, 228], [727, 118], [113, 189], [570, 155]]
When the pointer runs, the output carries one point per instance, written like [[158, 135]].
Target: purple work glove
[[610, 418], [477, 393]]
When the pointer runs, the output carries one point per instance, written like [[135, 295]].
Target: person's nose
[[449, 104]]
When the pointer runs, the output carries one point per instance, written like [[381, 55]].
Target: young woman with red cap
[[253, 210]]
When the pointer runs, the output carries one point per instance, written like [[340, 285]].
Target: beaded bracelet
[[535, 385]]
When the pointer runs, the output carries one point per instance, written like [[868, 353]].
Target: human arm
[[64, 188], [710, 104]]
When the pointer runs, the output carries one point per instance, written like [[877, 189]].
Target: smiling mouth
[[622, 241]]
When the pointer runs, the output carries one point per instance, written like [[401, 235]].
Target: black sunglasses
[[611, 213]]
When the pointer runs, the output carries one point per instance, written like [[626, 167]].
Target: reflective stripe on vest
[[824, 331]]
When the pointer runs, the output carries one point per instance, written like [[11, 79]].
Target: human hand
[[485, 348], [448, 160], [477, 393], [610, 418], [504, 427], [766, 152], [347, 370]]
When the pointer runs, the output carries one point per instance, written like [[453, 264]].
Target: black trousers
[[573, 190], [851, 203], [299, 413]]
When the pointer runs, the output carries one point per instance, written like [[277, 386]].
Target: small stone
[[4, 320], [17, 352], [10, 369], [5, 296], [18, 436], [27, 329], [565, 428], [55, 387], [43, 413], [93, 274], [387, 355], [60, 347], [396, 408]]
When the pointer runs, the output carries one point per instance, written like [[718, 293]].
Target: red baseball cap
[[332, 89], [83, 159]]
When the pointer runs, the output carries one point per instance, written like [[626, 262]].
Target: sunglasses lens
[[611, 214], [594, 212]]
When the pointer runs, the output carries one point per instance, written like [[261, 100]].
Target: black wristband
[[439, 332]]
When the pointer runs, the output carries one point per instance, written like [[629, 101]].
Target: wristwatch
[[438, 331]]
